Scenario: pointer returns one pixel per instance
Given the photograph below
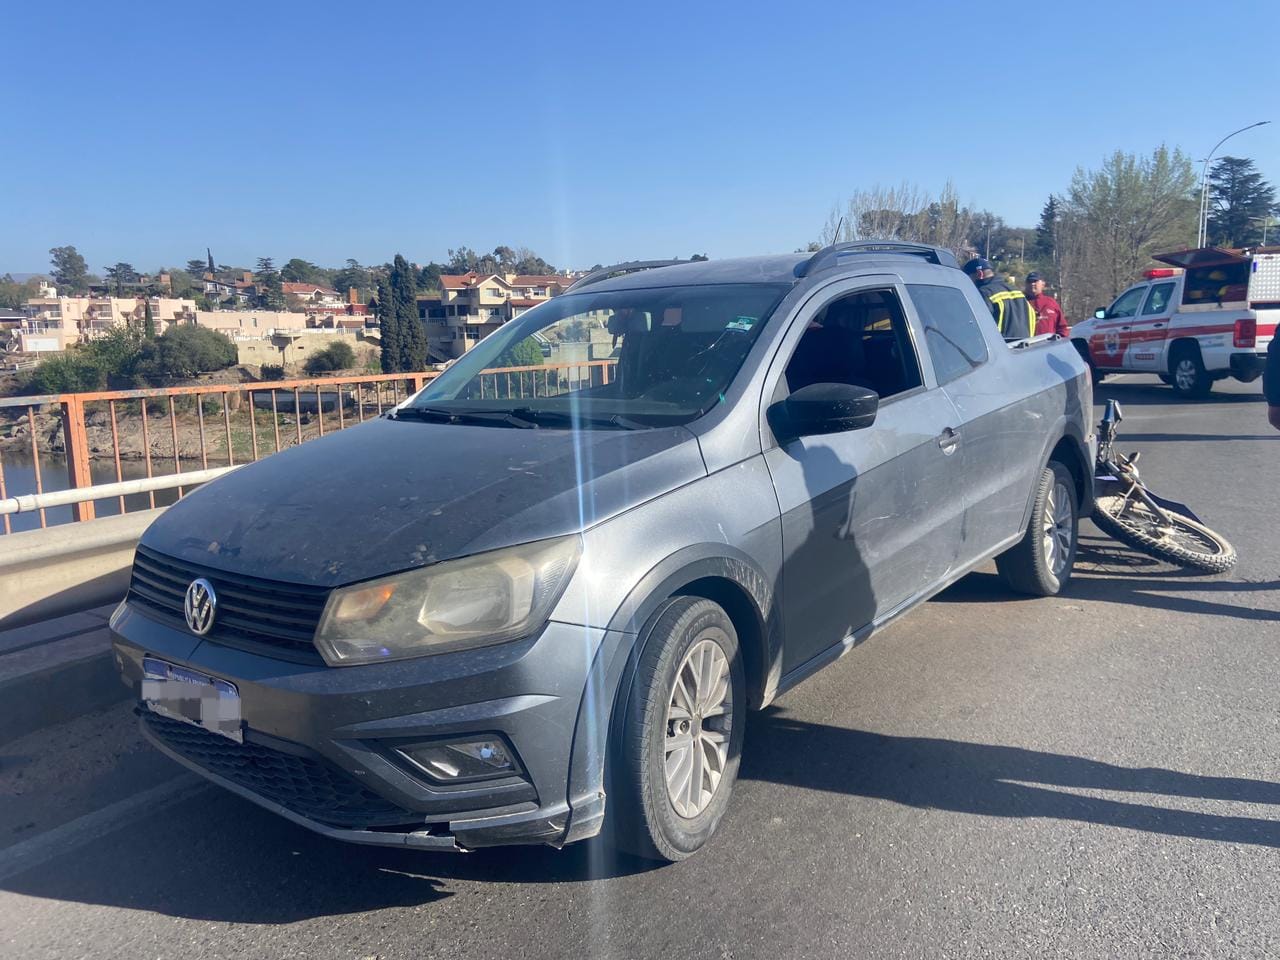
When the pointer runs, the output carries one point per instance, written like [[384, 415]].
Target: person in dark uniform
[[1015, 318], [1271, 382]]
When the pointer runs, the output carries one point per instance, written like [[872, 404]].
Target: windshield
[[624, 358]]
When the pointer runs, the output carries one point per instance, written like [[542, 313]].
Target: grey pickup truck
[[535, 608]]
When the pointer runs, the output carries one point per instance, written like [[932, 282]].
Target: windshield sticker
[[672, 316], [741, 323]]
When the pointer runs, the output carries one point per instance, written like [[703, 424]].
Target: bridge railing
[[171, 431]]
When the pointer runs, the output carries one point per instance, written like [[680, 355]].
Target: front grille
[[250, 610], [310, 787]]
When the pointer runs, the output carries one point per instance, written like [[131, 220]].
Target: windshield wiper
[[570, 417], [510, 418]]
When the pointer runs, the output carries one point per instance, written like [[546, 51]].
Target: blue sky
[[145, 132]]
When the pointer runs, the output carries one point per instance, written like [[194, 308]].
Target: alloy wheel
[[1185, 374], [699, 713], [1058, 514]]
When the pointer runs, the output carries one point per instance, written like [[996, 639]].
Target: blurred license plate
[[192, 697]]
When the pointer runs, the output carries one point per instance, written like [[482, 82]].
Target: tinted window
[[860, 338], [951, 329], [1158, 299]]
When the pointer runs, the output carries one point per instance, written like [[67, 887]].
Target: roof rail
[[631, 266], [830, 256]]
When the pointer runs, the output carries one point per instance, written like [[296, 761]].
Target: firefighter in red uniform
[[1049, 316]]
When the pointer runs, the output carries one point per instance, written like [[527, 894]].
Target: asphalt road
[[1093, 775]]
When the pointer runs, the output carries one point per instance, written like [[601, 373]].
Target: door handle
[[948, 440], [1157, 324], [1124, 328]]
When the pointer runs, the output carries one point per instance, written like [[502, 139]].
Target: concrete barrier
[[62, 569]]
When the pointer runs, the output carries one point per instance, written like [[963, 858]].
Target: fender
[[608, 679], [1068, 430]]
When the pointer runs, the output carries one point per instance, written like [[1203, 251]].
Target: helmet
[[976, 264]]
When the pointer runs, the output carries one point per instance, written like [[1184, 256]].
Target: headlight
[[472, 602]]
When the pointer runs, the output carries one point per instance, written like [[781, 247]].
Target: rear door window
[[951, 329], [1158, 299]]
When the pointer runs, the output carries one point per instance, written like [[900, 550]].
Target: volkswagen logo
[[200, 606]]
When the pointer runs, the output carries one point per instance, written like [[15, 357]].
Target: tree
[[411, 333], [13, 294], [1114, 218], [338, 355], [1239, 199], [181, 282], [525, 353], [267, 280], [119, 275], [184, 351], [209, 255], [70, 272], [699, 258], [302, 271], [353, 275], [1045, 246], [148, 322], [388, 329], [196, 267], [905, 212], [429, 276]]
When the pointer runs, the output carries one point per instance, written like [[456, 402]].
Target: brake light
[[1157, 272], [1246, 332]]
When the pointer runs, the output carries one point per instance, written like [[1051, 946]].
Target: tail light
[[1246, 332]]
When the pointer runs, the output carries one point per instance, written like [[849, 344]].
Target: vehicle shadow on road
[[1107, 572], [1138, 394], [998, 781]]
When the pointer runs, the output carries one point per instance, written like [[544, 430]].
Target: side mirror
[[1100, 313], [823, 408]]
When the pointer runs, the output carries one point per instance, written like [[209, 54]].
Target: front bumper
[[319, 740]]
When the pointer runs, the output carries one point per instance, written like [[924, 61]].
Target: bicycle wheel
[[1183, 541]]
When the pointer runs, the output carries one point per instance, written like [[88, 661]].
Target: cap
[[976, 264], [1033, 276]]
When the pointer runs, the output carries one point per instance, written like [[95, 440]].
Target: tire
[[1187, 544], [1041, 562], [669, 818], [1187, 374]]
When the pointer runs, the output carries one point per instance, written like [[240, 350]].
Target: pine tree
[[389, 330], [148, 322], [411, 334], [1239, 199], [1046, 244]]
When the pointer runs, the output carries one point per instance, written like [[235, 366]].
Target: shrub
[[336, 356], [272, 371], [70, 372], [184, 351]]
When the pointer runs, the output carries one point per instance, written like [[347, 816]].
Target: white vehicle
[[1208, 316]]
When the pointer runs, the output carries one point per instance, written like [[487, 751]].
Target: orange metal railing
[[169, 429]]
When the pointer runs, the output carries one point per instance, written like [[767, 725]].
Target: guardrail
[[188, 433]]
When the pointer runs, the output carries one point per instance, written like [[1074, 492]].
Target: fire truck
[[1208, 315]]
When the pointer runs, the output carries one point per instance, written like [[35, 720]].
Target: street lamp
[[1202, 234], [1266, 222]]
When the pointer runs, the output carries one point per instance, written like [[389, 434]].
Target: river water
[[20, 478]]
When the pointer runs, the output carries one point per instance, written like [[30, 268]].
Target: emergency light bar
[[1156, 272]]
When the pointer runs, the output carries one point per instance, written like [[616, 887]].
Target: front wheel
[[1181, 541], [1040, 564], [681, 736]]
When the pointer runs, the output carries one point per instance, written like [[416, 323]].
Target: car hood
[[389, 495]]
